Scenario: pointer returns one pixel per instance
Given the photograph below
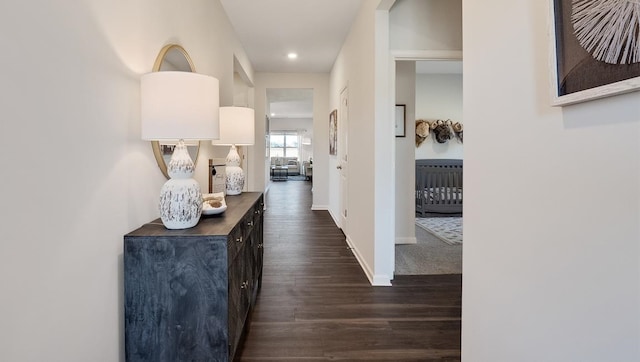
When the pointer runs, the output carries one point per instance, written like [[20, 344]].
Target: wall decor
[[422, 131], [441, 131], [457, 129], [400, 120], [267, 145], [595, 49], [333, 132]]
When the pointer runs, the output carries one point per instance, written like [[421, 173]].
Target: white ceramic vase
[[235, 174], [180, 196]]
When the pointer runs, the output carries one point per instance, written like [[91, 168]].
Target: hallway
[[316, 303]]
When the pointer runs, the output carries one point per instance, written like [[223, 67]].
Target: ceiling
[[270, 29], [290, 103], [314, 29]]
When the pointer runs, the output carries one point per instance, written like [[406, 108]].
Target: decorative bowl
[[208, 209]]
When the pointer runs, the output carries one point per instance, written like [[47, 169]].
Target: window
[[284, 144]]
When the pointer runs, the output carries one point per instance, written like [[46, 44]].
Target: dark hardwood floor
[[316, 304]]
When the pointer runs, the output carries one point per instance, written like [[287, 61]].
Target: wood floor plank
[[316, 304]]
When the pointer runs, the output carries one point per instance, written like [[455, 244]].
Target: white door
[[343, 121]]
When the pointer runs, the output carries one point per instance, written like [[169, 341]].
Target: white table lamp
[[179, 106], [237, 128]]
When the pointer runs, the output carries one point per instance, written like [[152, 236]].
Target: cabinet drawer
[[240, 293], [235, 242]]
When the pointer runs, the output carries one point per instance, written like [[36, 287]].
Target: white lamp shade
[[237, 126], [179, 105]]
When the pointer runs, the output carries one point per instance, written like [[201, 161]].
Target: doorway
[[343, 157], [290, 134], [431, 90]]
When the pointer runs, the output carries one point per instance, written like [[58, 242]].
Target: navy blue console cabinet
[[188, 293]]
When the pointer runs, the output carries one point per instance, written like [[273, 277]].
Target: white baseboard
[[403, 241], [363, 264], [319, 207], [336, 220], [381, 281], [375, 280]]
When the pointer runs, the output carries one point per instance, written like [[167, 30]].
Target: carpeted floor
[[447, 229], [429, 256]]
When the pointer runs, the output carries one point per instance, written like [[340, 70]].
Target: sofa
[[292, 163]]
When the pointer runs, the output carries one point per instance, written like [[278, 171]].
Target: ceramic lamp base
[[235, 180], [180, 203], [235, 175], [180, 196]]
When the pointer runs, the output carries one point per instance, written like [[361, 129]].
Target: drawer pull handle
[[239, 239], [244, 284], [257, 212], [250, 223]]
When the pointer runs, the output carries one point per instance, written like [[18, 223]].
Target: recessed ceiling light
[[292, 56]]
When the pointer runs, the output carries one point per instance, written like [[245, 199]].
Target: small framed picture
[[400, 120], [333, 132]]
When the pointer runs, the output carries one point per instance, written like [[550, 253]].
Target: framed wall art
[[267, 137], [333, 132], [401, 120], [595, 48]]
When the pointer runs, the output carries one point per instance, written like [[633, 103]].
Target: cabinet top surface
[[209, 225]]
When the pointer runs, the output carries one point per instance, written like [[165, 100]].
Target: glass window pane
[[276, 140], [276, 152], [292, 140], [292, 152]]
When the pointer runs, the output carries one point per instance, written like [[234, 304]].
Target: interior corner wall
[[439, 97], [241, 92], [319, 82], [84, 178], [551, 254], [405, 150]]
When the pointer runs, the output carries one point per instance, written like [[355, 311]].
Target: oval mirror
[[172, 57]]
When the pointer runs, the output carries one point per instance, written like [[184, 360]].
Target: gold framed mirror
[[172, 57]]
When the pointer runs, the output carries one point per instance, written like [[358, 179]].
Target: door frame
[[413, 55], [343, 158]]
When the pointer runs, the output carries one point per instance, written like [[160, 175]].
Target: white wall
[[439, 96], [405, 171], [83, 177], [426, 25], [552, 213], [354, 68], [303, 125], [319, 82]]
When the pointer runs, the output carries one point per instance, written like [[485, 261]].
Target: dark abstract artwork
[[597, 48]]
